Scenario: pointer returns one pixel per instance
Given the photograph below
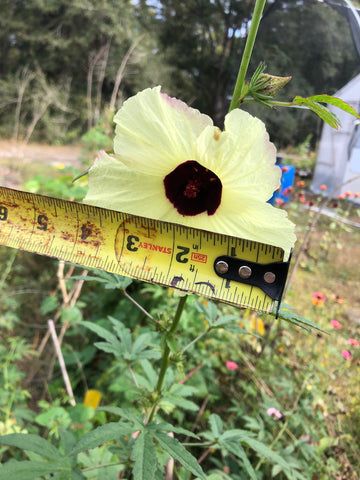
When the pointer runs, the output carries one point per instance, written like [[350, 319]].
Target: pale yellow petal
[[155, 133], [243, 218], [255, 220], [244, 162], [114, 186]]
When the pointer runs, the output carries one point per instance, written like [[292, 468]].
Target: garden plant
[[154, 383]]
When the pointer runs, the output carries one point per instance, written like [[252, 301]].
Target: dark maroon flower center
[[193, 189]]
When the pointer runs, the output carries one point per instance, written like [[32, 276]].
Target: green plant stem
[[240, 81], [196, 339], [166, 356]]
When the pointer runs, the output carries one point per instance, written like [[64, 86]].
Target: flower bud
[[271, 84]]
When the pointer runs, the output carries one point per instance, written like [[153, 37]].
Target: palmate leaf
[[168, 427], [323, 112], [230, 437], [315, 104], [216, 425], [177, 451], [209, 310], [336, 102], [144, 455], [236, 449], [136, 420], [111, 280], [263, 450], [287, 313], [105, 433], [31, 443], [29, 469], [101, 331]]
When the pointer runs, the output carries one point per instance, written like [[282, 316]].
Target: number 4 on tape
[[233, 270]]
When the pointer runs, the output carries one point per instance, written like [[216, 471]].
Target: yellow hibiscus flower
[[171, 163]]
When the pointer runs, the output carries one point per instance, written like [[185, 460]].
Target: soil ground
[[19, 161]]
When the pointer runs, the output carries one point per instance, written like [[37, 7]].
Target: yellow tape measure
[[233, 270]]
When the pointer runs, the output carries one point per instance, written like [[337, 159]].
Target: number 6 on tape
[[233, 270]]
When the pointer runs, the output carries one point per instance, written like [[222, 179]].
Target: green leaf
[[216, 425], [67, 440], [168, 427], [29, 469], [111, 280], [49, 304], [262, 449], [32, 443], [105, 433], [114, 349], [236, 434], [323, 112], [327, 442], [236, 449], [178, 401], [289, 315], [177, 451], [122, 332], [149, 371], [210, 311], [144, 455], [171, 341], [237, 329], [102, 332], [125, 413], [336, 102], [225, 319], [141, 343], [71, 314]]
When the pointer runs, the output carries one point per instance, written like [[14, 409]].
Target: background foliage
[[248, 396], [66, 65]]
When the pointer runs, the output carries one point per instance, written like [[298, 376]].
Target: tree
[[203, 40], [309, 41], [80, 43]]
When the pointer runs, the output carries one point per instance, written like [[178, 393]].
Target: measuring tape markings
[[146, 249]]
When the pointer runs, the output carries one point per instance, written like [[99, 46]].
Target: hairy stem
[[166, 356]]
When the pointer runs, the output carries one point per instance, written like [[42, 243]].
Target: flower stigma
[[193, 189]]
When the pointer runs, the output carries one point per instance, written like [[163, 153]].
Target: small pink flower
[[231, 365], [335, 324], [341, 196], [356, 194], [280, 201], [353, 342], [318, 299], [346, 354], [300, 184], [323, 187], [347, 193], [273, 412], [306, 438]]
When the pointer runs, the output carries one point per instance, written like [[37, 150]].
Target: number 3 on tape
[[233, 270]]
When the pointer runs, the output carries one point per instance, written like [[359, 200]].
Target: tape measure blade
[[145, 249]]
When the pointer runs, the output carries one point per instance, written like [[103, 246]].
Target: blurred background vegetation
[[66, 65]]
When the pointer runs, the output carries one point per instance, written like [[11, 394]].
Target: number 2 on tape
[[145, 249]]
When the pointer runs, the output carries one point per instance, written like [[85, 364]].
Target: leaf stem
[[196, 339], [240, 81], [166, 356]]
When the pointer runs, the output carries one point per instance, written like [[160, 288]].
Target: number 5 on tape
[[236, 271]]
